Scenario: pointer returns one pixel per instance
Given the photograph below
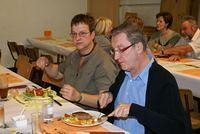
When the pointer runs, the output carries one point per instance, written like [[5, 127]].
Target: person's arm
[[181, 50], [89, 99], [50, 68], [52, 71], [71, 93]]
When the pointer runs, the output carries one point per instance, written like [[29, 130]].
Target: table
[[53, 45], [13, 108], [186, 73]]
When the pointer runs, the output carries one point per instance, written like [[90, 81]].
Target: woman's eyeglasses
[[81, 34]]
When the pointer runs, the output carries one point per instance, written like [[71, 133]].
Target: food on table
[[79, 118], [38, 92], [82, 115]]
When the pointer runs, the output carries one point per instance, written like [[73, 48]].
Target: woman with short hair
[[164, 37]]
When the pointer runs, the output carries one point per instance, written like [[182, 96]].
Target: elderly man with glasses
[[144, 98], [88, 70]]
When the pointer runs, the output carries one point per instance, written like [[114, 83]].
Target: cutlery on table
[[19, 86], [57, 102]]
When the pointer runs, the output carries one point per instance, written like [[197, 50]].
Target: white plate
[[95, 115]]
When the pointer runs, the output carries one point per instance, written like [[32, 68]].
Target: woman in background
[[164, 37], [102, 29]]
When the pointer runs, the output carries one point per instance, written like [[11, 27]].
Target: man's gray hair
[[133, 33], [190, 19]]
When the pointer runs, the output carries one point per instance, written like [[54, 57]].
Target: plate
[[94, 114]]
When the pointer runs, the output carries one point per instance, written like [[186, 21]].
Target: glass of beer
[[3, 87], [1, 115]]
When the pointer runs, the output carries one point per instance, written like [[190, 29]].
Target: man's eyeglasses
[[122, 49], [81, 34]]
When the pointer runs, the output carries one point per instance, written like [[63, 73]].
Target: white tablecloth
[[184, 80]]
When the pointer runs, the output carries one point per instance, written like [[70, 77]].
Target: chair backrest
[[32, 53], [23, 66], [21, 50], [187, 99], [36, 76], [13, 49]]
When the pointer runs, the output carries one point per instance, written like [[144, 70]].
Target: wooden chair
[[188, 104], [23, 66], [13, 50], [32, 53], [20, 50]]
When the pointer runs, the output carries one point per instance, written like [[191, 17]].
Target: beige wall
[[106, 8], [21, 19]]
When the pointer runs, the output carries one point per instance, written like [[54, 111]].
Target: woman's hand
[[70, 93], [42, 62]]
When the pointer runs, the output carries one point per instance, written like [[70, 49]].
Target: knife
[[192, 65], [57, 102], [20, 86]]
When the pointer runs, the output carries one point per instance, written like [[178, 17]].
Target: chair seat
[[195, 120], [23, 66]]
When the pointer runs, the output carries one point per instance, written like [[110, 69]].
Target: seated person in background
[[164, 37], [192, 35], [102, 30], [87, 70], [137, 21], [144, 98]]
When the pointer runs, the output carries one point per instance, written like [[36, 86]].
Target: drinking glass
[[1, 114], [47, 110], [3, 87], [35, 122]]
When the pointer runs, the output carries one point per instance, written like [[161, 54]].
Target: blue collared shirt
[[133, 90]]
